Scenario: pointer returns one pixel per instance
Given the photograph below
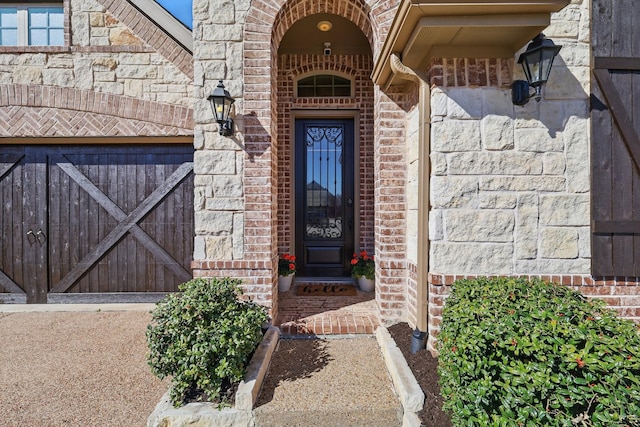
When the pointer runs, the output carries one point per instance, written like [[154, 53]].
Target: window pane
[[56, 37], [56, 17], [8, 37], [324, 85], [38, 38], [38, 17], [46, 26], [8, 17]]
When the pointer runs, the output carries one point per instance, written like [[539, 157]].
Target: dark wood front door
[[324, 185], [94, 223]]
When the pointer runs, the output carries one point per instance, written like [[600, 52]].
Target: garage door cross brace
[[126, 223]]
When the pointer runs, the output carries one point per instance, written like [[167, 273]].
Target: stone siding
[[509, 186], [102, 55]]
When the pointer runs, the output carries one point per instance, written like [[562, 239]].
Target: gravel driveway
[[76, 369]]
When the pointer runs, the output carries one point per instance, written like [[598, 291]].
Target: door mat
[[327, 289]]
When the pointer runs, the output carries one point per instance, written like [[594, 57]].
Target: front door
[[324, 186]]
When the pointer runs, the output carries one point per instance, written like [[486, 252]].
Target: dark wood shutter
[[615, 149]]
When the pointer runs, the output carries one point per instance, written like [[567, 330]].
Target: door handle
[[350, 202], [41, 237], [31, 237]]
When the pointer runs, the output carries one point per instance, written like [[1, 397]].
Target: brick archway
[[265, 25]]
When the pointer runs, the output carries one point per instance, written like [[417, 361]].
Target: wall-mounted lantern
[[221, 103], [536, 62]]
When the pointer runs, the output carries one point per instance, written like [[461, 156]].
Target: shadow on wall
[[564, 97]]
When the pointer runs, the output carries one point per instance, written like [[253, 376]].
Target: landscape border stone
[[409, 391], [207, 414]]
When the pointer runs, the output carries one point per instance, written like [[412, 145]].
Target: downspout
[[420, 335]]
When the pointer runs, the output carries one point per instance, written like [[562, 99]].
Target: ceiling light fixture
[[324, 26]]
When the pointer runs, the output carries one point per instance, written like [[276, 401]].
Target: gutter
[[424, 139]]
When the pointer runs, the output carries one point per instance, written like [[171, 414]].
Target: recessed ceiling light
[[324, 25]]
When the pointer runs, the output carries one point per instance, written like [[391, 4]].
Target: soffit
[[422, 30], [304, 37]]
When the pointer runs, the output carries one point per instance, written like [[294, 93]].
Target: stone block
[[27, 75], [497, 133], [494, 163], [136, 72], [215, 162], [554, 164], [96, 19], [224, 204], [133, 88], [219, 247], [122, 36], [522, 183], [199, 248], [559, 243], [438, 103], [553, 266], [464, 103], [576, 135], [227, 186], [238, 236], [565, 210], [497, 201], [438, 164], [213, 223], [537, 140], [455, 135], [454, 192], [222, 33], [497, 102], [478, 225], [436, 229], [568, 83], [60, 61], [471, 258], [115, 88], [58, 77], [223, 13], [134, 58]]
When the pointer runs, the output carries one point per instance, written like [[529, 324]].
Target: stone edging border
[[409, 391], [241, 414]]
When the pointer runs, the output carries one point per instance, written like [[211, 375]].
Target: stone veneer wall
[[510, 185], [104, 55], [104, 81]]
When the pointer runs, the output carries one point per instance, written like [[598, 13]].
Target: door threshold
[[307, 279]]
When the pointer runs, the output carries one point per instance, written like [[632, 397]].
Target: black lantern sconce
[[536, 62], [221, 103]]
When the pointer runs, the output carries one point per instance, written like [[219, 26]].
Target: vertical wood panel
[[615, 179]]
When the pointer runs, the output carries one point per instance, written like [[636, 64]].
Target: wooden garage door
[[615, 153], [98, 223]]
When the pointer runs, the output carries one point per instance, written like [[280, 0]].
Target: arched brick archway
[[265, 25]]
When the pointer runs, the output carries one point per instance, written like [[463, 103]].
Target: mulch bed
[[424, 367]]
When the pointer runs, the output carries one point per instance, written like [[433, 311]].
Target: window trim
[[23, 28], [345, 76]]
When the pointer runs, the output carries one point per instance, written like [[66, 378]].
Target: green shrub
[[203, 338], [515, 352]]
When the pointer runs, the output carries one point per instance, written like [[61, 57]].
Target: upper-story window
[[323, 85], [32, 25]]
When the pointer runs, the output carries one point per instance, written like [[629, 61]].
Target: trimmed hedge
[[203, 337], [515, 352]]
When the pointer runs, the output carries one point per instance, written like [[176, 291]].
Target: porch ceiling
[[422, 30]]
